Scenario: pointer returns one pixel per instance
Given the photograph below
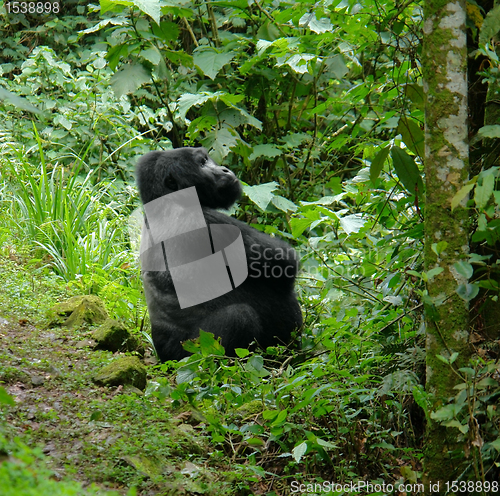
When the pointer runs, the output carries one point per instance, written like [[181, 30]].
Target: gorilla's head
[[161, 172]]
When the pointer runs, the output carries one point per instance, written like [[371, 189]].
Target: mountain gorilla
[[263, 308]]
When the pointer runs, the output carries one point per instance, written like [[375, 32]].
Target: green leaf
[[188, 100], [491, 25], [299, 451], [269, 414], [300, 225], [487, 381], [489, 132], [220, 141], [325, 444], [152, 54], [129, 78], [18, 101], [438, 248], [280, 419], [210, 61], [209, 345], [5, 398], [261, 194], [61, 119], [414, 273], [465, 269], [430, 274], [461, 194], [445, 413], [294, 140], [378, 163], [318, 26], [442, 359], [467, 291], [284, 204], [336, 66], [298, 62], [496, 444], [242, 352], [149, 7], [256, 362], [413, 136], [115, 54], [484, 191], [187, 373], [267, 150], [352, 223], [269, 32], [415, 93], [421, 397], [407, 171]]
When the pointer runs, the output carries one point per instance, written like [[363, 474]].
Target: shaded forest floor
[[115, 437]]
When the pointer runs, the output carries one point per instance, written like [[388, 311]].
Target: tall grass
[[64, 214]]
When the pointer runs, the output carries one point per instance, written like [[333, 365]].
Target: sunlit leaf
[[352, 223], [299, 451], [261, 194]]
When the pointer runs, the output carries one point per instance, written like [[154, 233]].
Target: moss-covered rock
[[114, 336], [122, 371], [77, 310]]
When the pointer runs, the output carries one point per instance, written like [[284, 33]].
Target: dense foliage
[[319, 107]]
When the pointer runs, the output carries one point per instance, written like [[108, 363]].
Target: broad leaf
[[220, 141], [298, 62], [465, 269], [489, 131], [18, 101], [461, 195], [467, 291], [149, 7], [352, 223], [284, 204], [299, 451], [210, 61], [484, 191], [337, 66], [129, 78], [407, 171], [318, 26], [267, 150], [261, 194], [188, 100], [491, 25], [378, 163], [412, 135]]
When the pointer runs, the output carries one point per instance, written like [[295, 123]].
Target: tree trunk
[[444, 62]]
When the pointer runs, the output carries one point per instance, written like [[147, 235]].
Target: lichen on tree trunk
[[444, 63]]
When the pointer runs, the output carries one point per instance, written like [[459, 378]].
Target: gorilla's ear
[[170, 182]]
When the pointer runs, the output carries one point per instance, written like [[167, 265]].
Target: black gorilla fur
[[264, 308]]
